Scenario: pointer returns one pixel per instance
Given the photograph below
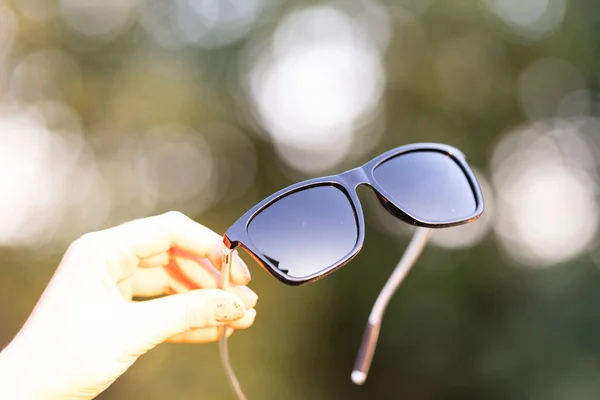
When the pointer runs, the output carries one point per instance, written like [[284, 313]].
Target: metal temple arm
[[371, 333], [223, 348]]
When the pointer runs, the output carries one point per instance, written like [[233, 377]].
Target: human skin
[[86, 330]]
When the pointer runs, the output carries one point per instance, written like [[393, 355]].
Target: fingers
[[157, 320], [199, 272], [159, 260], [202, 272], [192, 266], [213, 334], [246, 321], [248, 296], [148, 282], [239, 274], [152, 236]]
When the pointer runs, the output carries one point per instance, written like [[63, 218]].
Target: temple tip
[[358, 377]]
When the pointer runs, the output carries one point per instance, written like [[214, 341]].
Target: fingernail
[[243, 267], [229, 309]]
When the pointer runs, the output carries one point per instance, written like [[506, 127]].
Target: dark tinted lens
[[306, 232], [427, 184]]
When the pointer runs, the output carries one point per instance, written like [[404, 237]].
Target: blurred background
[[118, 109]]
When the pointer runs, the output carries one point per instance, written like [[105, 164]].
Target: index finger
[[151, 236]]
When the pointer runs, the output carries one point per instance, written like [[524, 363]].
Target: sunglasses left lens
[[429, 185], [306, 232]]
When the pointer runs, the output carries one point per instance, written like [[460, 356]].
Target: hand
[[86, 331]]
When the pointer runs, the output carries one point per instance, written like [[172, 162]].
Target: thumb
[[157, 320]]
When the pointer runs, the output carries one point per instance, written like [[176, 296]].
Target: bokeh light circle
[[322, 76], [547, 195]]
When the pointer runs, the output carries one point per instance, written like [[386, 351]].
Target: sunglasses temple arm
[[371, 333], [223, 348]]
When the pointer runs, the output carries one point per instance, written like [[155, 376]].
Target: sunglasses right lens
[[430, 185], [306, 232]]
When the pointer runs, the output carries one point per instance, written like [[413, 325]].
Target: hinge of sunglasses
[[226, 268]]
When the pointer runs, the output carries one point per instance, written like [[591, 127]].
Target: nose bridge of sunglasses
[[355, 177]]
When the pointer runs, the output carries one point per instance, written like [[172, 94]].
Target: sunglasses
[[308, 230]]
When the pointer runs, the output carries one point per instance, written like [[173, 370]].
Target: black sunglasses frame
[[348, 182]]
